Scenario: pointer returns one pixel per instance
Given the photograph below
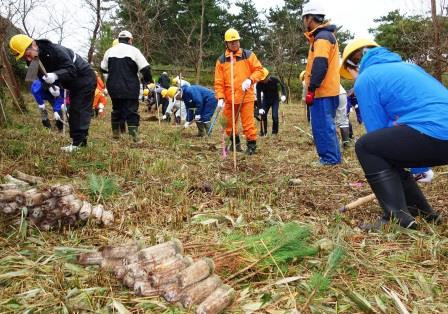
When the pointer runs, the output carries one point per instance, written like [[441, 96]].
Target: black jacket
[[270, 89], [72, 70], [164, 81]]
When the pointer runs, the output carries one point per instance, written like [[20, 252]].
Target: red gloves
[[309, 98]]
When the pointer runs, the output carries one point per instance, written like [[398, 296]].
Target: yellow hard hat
[[174, 80], [302, 76], [146, 92], [164, 92], [19, 44], [151, 86], [115, 42], [172, 91], [231, 35], [351, 48], [265, 73]]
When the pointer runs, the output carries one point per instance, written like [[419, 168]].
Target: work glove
[[261, 111], [164, 117], [283, 98], [50, 78], [309, 98], [56, 116], [246, 84], [41, 107], [186, 125], [55, 91], [220, 103], [63, 107], [105, 92], [424, 177], [197, 117]]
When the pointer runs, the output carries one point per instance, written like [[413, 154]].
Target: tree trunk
[[201, 44], [95, 31], [437, 48]]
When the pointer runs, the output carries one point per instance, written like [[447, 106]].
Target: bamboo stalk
[[221, 298], [26, 177]]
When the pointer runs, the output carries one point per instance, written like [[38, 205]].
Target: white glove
[[246, 84], [100, 106], [55, 91], [261, 111], [220, 103], [283, 98], [41, 107], [105, 92], [164, 117], [424, 177], [63, 107], [186, 125], [197, 117], [56, 116], [50, 78]]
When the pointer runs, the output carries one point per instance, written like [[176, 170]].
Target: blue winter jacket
[[201, 98], [41, 94], [391, 92]]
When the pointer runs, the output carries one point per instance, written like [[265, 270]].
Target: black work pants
[[80, 108], [164, 102], [399, 147], [125, 111]]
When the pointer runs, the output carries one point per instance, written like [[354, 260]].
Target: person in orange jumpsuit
[[247, 70], [100, 100]]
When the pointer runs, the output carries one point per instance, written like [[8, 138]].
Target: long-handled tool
[[210, 129], [232, 84], [360, 201]]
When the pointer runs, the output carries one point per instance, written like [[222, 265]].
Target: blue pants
[[268, 104], [323, 112]]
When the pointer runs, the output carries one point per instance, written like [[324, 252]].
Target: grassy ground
[[160, 194]]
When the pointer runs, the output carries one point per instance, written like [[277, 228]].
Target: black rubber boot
[[238, 144], [389, 191], [416, 200], [46, 123], [345, 136], [251, 147], [122, 127], [115, 131], [201, 128], [207, 127]]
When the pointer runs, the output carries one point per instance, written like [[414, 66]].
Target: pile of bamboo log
[[48, 208], [162, 270]]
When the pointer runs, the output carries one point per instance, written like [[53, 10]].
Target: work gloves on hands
[[197, 117], [55, 90], [56, 116], [50, 78], [309, 98], [246, 84], [283, 98], [220, 103], [261, 111], [186, 125], [41, 107], [105, 92]]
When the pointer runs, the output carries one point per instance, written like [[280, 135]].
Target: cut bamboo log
[[36, 198], [50, 204], [91, 258], [166, 273], [69, 220], [85, 211], [21, 198], [144, 289], [8, 196], [36, 213], [10, 208], [20, 183], [196, 272], [9, 186], [200, 291], [111, 264], [171, 293], [221, 298], [107, 218], [137, 274], [69, 204], [121, 252], [27, 178], [154, 255], [47, 224], [97, 212]]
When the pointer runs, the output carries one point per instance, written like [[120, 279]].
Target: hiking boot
[[251, 147], [389, 192], [207, 127], [238, 144]]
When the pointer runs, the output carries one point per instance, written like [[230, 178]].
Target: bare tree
[[19, 11], [201, 44]]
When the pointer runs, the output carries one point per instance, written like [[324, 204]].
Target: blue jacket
[[391, 92], [41, 94], [201, 98]]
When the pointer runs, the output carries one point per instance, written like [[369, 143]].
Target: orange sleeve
[[256, 68], [322, 48], [219, 80]]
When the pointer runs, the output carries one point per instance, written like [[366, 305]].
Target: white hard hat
[[125, 34], [313, 8]]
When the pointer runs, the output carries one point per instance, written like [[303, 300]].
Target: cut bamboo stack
[[47, 208], [162, 270]]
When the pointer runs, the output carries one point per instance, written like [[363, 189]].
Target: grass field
[[162, 190]]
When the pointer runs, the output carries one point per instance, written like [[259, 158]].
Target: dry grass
[[161, 194]]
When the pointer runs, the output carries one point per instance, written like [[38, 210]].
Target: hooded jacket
[[322, 68], [391, 92]]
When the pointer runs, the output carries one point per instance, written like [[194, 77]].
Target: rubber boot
[[416, 200], [251, 147], [345, 136], [46, 123], [238, 144], [389, 191], [207, 126], [59, 125], [122, 127], [115, 130], [177, 119], [201, 128], [133, 132]]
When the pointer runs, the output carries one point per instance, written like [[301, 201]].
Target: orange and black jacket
[[246, 65], [322, 68]]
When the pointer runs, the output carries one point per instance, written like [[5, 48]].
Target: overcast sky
[[354, 15]]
